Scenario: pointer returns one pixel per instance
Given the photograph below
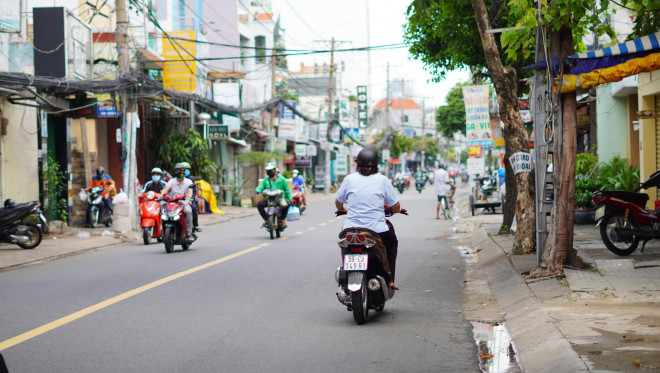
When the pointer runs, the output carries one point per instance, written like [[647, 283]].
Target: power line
[[302, 19]]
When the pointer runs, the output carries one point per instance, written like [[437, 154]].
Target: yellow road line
[[109, 302], [283, 238], [311, 228], [263, 244], [331, 221], [301, 232], [322, 224]]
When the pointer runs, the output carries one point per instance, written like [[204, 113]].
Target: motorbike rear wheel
[[278, 227], [359, 303], [35, 236], [610, 238], [146, 235], [271, 226], [168, 239]]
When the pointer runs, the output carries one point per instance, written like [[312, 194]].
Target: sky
[[346, 20]]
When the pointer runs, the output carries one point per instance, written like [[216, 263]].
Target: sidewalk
[[73, 240], [606, 319]]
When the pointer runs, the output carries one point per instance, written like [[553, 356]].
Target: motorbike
[[174, 223], [274, 223], [15, 230], [623, 219], [419, 184], [150, 220], [297, 199], [97, 211], [364, 276], [399, 184]]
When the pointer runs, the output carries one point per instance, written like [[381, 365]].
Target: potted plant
[[587, 181]]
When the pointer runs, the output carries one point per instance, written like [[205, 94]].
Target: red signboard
[[474, 150]]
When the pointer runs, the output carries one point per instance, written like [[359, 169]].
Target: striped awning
[[645, 43]]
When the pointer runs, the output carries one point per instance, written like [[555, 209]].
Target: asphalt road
[[239, 302]]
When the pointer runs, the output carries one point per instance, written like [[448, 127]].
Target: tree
[[443, 35], [450, 118], [399, 144]]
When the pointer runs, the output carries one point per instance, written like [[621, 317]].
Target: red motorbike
[[623, 219], [150, 217], [297, 199], [174, 223]]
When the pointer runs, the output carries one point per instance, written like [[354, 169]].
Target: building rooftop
[[395, 104]]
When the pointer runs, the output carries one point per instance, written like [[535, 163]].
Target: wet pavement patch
[[495, 348]]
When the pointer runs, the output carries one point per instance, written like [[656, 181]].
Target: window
[[260, 44]]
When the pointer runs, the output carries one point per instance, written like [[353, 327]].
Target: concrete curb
[[540, 345]]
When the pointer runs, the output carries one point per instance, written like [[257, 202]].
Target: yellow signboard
[[180, 75]]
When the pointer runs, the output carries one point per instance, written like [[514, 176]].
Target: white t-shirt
[[366, 197], [176, 188], [440, 179]]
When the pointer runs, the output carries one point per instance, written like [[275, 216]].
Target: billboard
[[477, 116], [180, 75]]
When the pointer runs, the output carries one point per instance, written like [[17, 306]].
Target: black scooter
[[97, 210], [13, 228]]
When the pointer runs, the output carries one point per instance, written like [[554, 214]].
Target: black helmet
[[367, 157], [100, 172], [441, 165], [9, 203]]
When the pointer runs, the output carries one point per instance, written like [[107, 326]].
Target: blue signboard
[[286, 113]]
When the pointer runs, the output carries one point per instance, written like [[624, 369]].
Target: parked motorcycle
[[13, 228], [623, 219], [97, 211], [364, 276], [174, 223], [274, 223], [297, 200], [150, 220]]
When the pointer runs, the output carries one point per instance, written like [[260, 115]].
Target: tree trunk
[[515, 134], [559, 246]]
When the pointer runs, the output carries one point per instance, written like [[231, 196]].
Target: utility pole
[[387, 117], [331, 86], [403, 101], [368, 47], [129, 117], [273, 94]]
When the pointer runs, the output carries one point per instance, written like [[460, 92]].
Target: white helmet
[[156, 170], [294, 172], [270, 166]]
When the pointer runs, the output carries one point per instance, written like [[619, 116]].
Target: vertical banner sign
[[180, 75], [288, 122], [362, 106], [477, 116]]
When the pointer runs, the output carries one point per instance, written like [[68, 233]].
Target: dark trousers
[[262, 204], [195, 210], [391, 246]]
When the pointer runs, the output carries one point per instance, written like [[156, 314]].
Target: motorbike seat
[[16, 211], [625, 195]]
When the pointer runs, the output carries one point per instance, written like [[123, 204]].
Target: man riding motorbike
[[156, 184], [366, 192], [105, 181], [180, 184], [274, 181], [299, 183], [195, 207]]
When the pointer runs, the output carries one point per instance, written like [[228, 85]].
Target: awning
[[610, 64]]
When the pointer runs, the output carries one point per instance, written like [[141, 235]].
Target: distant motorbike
[[274, 224], [399, 184], [297, 199], [174, 223], [419, 184], [13, 228], [97, 211], [623, 219], [150, 220], [364, 276]]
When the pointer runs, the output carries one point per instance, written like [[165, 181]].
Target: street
[[240, 302]]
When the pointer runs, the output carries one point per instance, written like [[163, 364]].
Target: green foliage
[[398, 145], [260, 158], [617, 174], [56, 179], [450, 118], [464, 157], [351, 98], [186, 147], [592, 176]]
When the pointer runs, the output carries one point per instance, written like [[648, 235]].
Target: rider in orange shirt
[[104, 180]]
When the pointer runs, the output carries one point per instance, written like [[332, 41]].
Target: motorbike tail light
[[356, 249], [355, 238]]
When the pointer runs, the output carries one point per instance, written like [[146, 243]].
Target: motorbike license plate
[[355, 262], [599, 213]]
